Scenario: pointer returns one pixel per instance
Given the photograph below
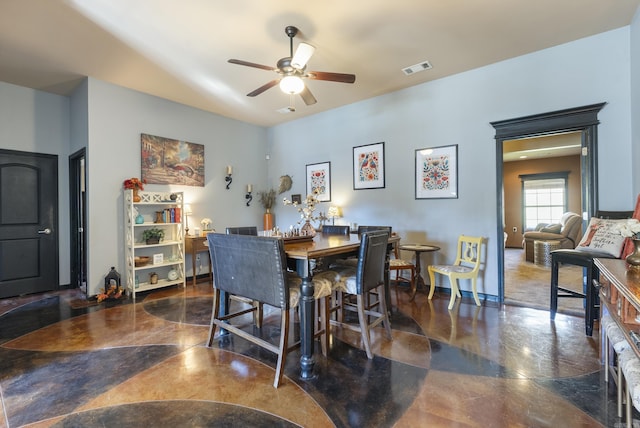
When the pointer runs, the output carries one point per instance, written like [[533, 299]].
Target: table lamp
[[333, 213], [187, 213]]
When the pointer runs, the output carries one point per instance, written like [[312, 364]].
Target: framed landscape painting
[[368, 166], [437, 172], [319, 180], [167, 161]]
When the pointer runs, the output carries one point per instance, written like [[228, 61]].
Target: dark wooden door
[[28, 223]]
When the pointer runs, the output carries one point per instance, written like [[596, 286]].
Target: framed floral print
[[437, 172], [319, 180], [368, 166]]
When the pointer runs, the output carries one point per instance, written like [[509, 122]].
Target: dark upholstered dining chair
[[258, 314], [255, 268], [331, 229], [582, 258], [361, 280]]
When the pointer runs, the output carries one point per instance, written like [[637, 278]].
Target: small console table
[[620, 297], [194, 245]]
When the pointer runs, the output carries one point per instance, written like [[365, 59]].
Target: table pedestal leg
[[306, 321], [419, 282]]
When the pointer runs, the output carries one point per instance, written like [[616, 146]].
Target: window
[[544, 198]]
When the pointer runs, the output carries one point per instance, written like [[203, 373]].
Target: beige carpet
[[528, 284]]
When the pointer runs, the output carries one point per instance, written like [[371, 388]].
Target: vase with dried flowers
[[306, 209], [267, 199], [631, 229], [136, 185]]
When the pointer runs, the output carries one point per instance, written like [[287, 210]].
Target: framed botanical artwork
[[319, 180], [368, 166], [437, 172], [168, 161]]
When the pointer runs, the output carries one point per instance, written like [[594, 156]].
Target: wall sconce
[[333, 213], [187, 213], [249, 196], [228, 178]]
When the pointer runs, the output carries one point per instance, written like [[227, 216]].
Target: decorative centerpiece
[[306, 209], [631, 229], [206, 226], [153, 235], [136, 185]]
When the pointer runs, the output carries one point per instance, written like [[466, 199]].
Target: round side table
[[418, 249]]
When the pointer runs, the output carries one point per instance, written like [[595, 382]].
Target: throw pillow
[[603, 236], [552, 228]]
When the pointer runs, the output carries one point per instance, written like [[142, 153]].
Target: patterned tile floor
[[127, 365]]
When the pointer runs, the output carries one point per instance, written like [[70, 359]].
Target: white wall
[[116, 118], [35, 121], [458, 110]]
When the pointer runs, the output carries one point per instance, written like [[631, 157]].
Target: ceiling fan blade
[[307, 96], [332, 77], [302, 55], [263, 88], [251, 64]]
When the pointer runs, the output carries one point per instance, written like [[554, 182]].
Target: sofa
[[567, 232]]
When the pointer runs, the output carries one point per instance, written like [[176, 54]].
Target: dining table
[[302, 252]]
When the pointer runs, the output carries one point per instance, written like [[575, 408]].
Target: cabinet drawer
[[198, 244]]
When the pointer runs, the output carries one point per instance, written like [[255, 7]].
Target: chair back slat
[[250, 266], [469, 252], [371, 260], [243, 230]]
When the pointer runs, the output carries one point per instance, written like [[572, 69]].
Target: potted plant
[[153, 235]]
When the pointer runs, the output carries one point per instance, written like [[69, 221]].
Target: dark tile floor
[[124, 364]]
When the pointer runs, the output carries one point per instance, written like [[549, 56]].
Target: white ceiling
[[178, 50]]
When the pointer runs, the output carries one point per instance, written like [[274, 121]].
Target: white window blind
[[544, 201]]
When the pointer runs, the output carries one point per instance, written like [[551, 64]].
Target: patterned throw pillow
[[552, 228], [603, 236]]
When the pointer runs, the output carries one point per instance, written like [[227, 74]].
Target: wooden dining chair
[[360, 281], [466, 266], [255, 268]]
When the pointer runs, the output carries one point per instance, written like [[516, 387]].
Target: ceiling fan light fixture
[[291, 85], [302, 55]]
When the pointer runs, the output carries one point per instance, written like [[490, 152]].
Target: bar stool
[[584, 259]]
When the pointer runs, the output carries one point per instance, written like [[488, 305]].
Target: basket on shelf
[[141, 260]]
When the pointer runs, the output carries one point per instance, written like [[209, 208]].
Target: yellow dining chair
[[466, 266]]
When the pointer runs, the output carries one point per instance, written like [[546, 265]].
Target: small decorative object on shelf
[[153, 235], [306, 210], [172, 275], [136, 185], [631, 229], [153, 278]]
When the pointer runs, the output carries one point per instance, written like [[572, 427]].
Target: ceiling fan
[[292, 71]]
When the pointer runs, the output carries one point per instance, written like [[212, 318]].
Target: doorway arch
[[583, 119]]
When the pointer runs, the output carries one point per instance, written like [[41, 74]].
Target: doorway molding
[[583, 119]]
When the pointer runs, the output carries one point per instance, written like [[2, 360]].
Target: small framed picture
[[158, 259], [297, 198], [368, 166], [437, 172], [319, 181]]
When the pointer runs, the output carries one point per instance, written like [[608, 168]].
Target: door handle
[[46, 231]]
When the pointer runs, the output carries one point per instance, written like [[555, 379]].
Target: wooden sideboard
[[194, 245], [620, 297]]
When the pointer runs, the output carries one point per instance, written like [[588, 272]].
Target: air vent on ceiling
[[424, 65]]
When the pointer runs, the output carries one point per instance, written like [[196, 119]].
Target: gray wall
[[108, 120], [458, 110], [35, 121]]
